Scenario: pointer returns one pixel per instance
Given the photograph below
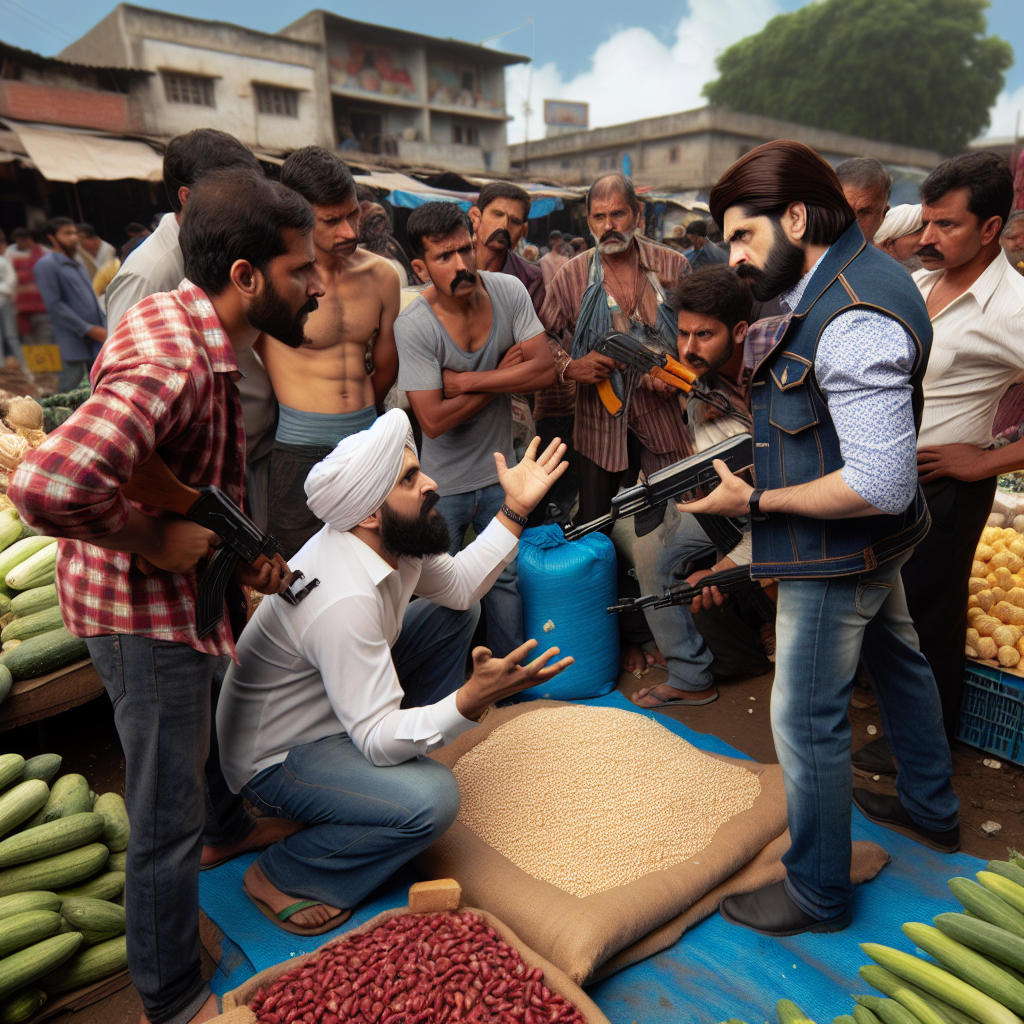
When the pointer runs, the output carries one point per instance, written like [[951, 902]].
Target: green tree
[[915, 72]]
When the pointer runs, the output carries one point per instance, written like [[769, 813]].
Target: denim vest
[[795, 439]]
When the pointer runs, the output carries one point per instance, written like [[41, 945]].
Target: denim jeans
[[824, 626], [9, 333], [363, 822], [162, 694], [503, 605], [662, 559]]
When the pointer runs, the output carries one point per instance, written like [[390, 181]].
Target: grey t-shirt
[[462, 459]]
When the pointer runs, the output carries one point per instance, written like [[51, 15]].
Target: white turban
[[355, 479], [899, 221]]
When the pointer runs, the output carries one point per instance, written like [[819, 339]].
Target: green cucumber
[[88, 966], [23, 1006], [789, 1013], [903, 992], [862, 1015], [1009, 892], [17, 552], [844, 1018], [43, 766], [44, 652], [986, 938], [987, 906], [97, 920], [27, 965], [115, 817], [6, 682], [35, 600], [27, 929], [1007, 870], [107, 886], [51, 838], [12, 770], [32, 625], [51, 872], [21, 902], [10, 530], [117, 861], [37, 570], [68, 795], [983, 1008], [21, 803]]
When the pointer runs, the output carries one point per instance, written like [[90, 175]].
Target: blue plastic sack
[[568, 586]]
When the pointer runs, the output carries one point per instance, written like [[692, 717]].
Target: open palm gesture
[[526, 484]]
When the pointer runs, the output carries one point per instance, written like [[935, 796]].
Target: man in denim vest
[[836, 511]]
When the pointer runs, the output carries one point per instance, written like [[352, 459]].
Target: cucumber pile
[[975, 974], [62, 861]]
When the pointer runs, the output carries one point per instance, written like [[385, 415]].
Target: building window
[[464, 135], [270, 99], [608, 162], [468, 81], [673, 154], [188, 89]]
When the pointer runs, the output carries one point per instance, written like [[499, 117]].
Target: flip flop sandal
[[680, 702], [281, 918]]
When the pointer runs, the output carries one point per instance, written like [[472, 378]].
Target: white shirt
[[977, 353], [324, 666], [154, 266], [8, 281]]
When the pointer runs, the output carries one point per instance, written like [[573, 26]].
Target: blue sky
[[627, 61]]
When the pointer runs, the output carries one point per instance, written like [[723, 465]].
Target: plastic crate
[[992, 712]]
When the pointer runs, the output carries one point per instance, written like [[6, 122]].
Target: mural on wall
[[451, 84], [369, 67]]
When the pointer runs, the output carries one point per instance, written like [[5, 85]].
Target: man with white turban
[[900, 235], [334, 702]]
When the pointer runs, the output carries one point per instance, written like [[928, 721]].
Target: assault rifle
[[631, 352], [681, 478], [728, 581]]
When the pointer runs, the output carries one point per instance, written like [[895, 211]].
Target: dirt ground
[[88, 742]]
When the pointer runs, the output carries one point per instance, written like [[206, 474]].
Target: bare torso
[[349, 336]]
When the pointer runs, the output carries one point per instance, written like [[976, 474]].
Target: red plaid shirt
[[164, 381]]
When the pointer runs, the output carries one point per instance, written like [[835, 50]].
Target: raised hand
[[526, 484]]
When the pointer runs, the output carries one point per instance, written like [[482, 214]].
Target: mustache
[[612, 236], [462, 275], [500, 235], [310, 306], [931, 252], [429, 502]]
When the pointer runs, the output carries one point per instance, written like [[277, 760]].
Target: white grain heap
[[592, 798]]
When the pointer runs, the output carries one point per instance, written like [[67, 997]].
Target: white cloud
[[633, 74], [1005, 113]]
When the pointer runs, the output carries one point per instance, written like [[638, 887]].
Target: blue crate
[[992, 712]]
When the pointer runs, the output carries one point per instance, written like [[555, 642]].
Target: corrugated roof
[[122, 77]]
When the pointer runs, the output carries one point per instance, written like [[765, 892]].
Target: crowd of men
[[252, 342]]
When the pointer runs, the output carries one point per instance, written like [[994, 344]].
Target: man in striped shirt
[[165, 383]]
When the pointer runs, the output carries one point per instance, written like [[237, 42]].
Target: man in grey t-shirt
[[464, 345]]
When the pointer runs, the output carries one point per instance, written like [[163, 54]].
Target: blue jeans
[[662, 559], [363, 822], [163, 694], [824, 626], [503, 605]]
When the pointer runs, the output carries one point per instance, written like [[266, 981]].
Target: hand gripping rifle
[[631, 352], [737, 452], [152, 483], [728, 581]]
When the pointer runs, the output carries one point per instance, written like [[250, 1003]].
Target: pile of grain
[[592, 798]]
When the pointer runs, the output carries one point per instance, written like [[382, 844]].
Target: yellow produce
[[998, 547], [987, 647], [972, 636], [984, 553], [993, 579], [979, 569], [1008, 657], [1009, 613], [1020, 645], [989, 534], [973, 614], [985, 624], [1017, 546], [985, 599], [999, 594], [976, 583], [1007, 636], [972, 601], [1016, 596]]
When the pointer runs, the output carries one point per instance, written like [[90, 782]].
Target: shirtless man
[[335, 383]]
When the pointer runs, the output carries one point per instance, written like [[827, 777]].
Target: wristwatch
[[754, 504]]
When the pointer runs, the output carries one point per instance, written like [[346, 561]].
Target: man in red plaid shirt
[[165, 383]]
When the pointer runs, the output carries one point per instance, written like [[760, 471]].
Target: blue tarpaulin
[[540, 207], [716, 971]]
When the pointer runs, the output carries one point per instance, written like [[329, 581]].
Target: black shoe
[[888, 812], [772, 911], [875, 758]]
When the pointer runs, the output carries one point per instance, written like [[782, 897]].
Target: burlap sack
[[555, 979], [580, 935]]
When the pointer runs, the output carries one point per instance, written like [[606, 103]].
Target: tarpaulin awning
[[76, 156], [410, 200]]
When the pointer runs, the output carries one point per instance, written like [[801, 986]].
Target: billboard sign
[[566, 114]]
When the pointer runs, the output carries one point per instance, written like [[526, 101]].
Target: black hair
[[697, 227], [865, 172], [987, 178], [86, 230], [716, 291], [21, 232], [135, 228], [503, 190], [237, 214], [435, 221], [614, 183], [318, 176], [195, 154], [54, 224], [554, 236]]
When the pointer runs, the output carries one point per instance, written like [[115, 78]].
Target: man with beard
[[333, 703], [467, 343], [835, 515], [334, 383], [164, 384], [976, 305], [619, 285]]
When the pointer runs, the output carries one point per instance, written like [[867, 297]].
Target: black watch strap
[[515, 517], [755, 504]]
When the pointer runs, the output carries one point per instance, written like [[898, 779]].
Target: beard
[[612, 243], [272, 315], [782, 269], [500, 239], [415, 536]]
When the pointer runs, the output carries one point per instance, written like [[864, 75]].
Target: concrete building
[[691, 150]]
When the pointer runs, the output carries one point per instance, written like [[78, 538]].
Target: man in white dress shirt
[[333, 702], [976, 304]]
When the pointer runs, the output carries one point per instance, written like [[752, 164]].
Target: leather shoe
[[875, 758], [772, 911], [888, 812]]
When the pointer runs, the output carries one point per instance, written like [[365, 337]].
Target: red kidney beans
[[441, 969]]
